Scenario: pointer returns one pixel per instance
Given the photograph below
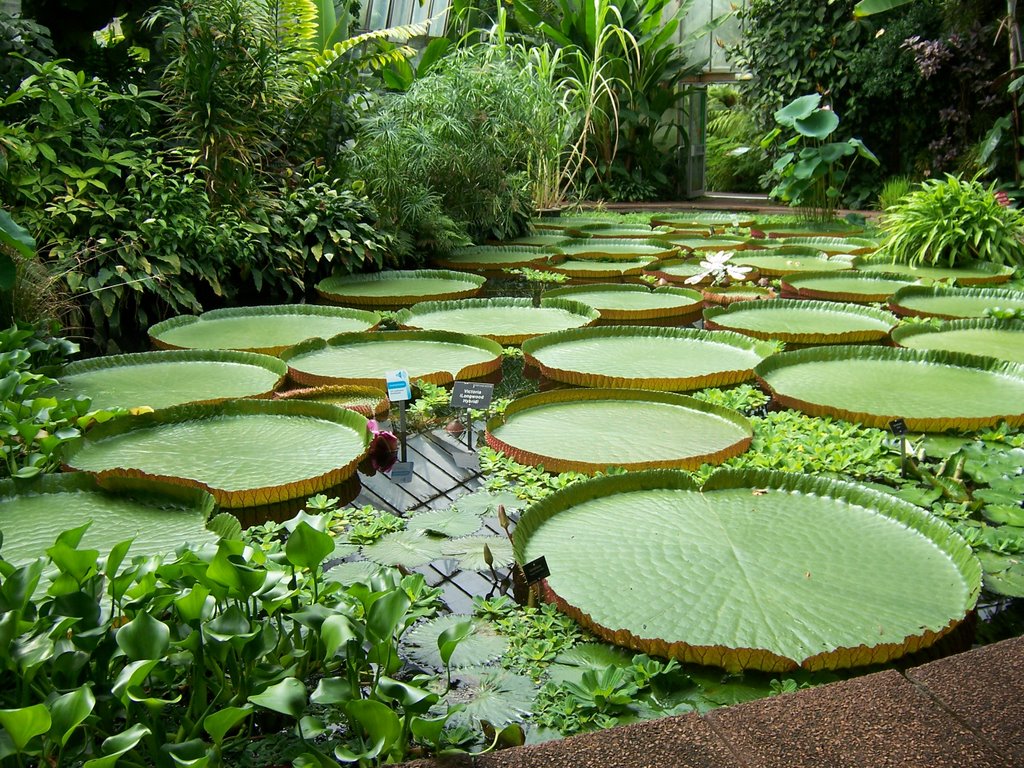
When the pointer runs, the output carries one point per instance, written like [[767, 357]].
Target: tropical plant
[[735, 162], [893, 191], [811, 174], [950, 221], [21, 38]]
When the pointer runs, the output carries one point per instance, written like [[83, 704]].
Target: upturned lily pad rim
[[256, 359], [686, 313], [724, 295], [555, 264], [562, 222], [907, 331], [915, 518], [756, 259], [154, 493], [940, 291], [676, 383], [628, 248], [534, 254], [380, 408], [809, 229], [474, 371], [791, 284], [684, 242], [561, 464], [372, 319], [248, 497], [716, 318], [833, 245], [587, 315], [698, 219], [995, 273], [897, 354], [323, 288], [596, 230]]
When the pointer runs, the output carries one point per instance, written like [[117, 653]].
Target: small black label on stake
[[898, 427], [535, 570], [471, 394]]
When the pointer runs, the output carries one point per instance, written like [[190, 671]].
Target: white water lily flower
[[716, 266]]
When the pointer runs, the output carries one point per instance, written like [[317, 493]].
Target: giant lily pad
[[617, 231], [438, 357], [681, 270], [506, 321], [833, 245], [712, 243], [610, 248], [953, 303], [730, 294], [158, 517], [399, 288], [259, 329], [635, 303], [858, 287], [1001, 339], [371, 402], [701, 221], [628, 357], [541, 239], [779, 262], [563, 223], [810, 229], [968, 273], [493, 258], [760, 570], [163, 379], [592, 429], [247, 453], [931, 391], [802, 322], [596, 269]]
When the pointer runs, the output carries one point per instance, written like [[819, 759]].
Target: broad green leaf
[[386, 615], [449, 640], [793, 599], [817, 125], [798, 109], [307, 547], [381, 725], [332, 690], [467, 642], [117, 745], [287, 697], [1000, 339], [144, 637], [24, 724], [15, 236], [412, 697], [68, 711], [871, 7], [335, 632], [218, 724]]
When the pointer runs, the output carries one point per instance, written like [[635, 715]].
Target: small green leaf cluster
[[201, 650], [526, 482], [536, 634], [743, 398], [945, 222]]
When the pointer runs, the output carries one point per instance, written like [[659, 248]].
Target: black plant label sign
[[535, 570], [898, 427], [471, 394]]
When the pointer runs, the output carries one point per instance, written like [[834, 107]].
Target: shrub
[[949, 221], [735, 162]]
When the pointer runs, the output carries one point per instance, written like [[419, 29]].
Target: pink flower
[[383, 451]]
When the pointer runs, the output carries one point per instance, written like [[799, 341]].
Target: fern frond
[[297, 24]]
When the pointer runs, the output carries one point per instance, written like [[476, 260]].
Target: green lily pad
[[967, 273], [399, 288], [635, 303], [570, 665], [491, 695], [469, 551], [702, 221], [482, 646], [486, 502], [802, 322], [730, 294], [562, 223], [780, 262], [626, 357], [727, 574], [158, 517], [506, 321], [953, 303], [259, 329], [857, 287], [445, 522], [874, 385], [810, 229], [610, 248], [1009, 583], [607, 268], [617, 231], [164, 379], [370, 402], [363, 359], [593, 429], [681, 270], [488, 258], [853, 246], [409, 549], [247, 453], [542, 239], [356, 571], [710, 243], [1001, 339]]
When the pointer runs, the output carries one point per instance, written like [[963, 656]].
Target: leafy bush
[[445, 162], [25, 40], [949, 221], [735, 161]]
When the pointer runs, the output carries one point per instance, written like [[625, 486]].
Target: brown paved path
[[964, 711]]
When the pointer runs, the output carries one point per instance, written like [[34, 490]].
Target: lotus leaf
[[857, 287], [635, 302], [754, 570], [481, 646], [506, 321], [591, 430], [481, 258], [610, 248], [967, 273], [953, 303], [627, 357], [932, 391], [408, 549], [269, 330], [1001, 339], [158, 517], [357, 571], [245, 452], [438, 357], [803, 322], [445, 522], [164, 379], [780, 262], [399, 288]]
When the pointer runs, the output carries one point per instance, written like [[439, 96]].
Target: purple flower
[[382, 453]]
